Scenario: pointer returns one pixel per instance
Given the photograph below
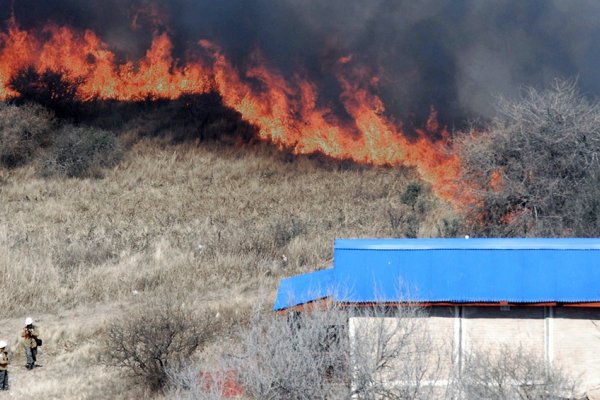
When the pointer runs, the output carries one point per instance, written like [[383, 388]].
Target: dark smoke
[[456, 55]]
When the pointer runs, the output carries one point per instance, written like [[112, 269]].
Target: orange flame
[[86, 57], [285, 112]]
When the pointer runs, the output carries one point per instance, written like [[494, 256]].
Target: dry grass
[[217, 223]]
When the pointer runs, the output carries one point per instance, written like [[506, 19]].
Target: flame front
[[85, 57], [285, 112]]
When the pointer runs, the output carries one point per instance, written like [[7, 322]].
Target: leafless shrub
[[284, 232], [509, 374], [320, 354], [71, 151], [412, 196], [23, 130], [450, 227], [536, 168], [81, 152], [414, 204], [157, 336]]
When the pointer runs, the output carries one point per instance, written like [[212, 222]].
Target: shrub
[[405, 219], [450, 227], [22, 131], [285, 231], [81, 152], [156, 337], [411, 194], [50, 89]]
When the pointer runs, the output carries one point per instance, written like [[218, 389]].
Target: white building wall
[[493, 328], [576, 343]]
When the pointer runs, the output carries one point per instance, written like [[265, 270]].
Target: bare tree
[[535, 170], [158, 335], [511, 374]]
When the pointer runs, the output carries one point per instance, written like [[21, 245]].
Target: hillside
[[217, 223]]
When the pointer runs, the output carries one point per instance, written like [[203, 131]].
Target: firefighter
[[31, 341], [3, 366]]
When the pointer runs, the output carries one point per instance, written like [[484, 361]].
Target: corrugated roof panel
[[458, 270], [470, 275], [304, 288]]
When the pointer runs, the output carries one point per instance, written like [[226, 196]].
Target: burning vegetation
[[58, 66]]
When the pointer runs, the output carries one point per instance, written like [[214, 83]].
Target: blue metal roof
[[304, 288], [453, 270]]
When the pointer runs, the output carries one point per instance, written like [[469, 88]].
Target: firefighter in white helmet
[[31, 341], [3, 366]]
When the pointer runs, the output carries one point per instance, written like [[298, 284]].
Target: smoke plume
[[454, 55]]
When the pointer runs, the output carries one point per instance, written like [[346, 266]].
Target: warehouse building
[[542, 294]]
